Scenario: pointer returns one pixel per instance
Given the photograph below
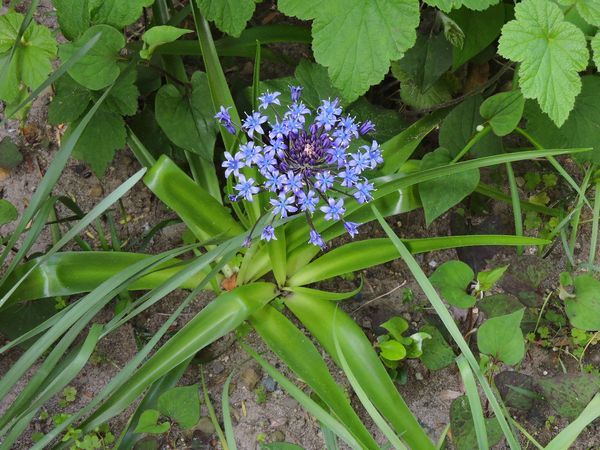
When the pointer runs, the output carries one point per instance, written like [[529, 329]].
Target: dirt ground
[[278, 417]]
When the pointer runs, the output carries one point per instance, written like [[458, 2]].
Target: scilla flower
[[304, 160]]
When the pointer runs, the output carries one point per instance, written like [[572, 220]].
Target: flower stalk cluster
[[304, 160]]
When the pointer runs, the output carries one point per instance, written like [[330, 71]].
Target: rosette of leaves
[[395, 347]]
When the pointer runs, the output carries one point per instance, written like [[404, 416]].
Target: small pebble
[[269, 383]]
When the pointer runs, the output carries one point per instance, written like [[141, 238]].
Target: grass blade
[[474, 402], [566, 437], [516, 204], [226, 408]]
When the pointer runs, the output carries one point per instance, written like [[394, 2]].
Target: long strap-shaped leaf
[[318, 317], [566, 437], [300, 355], [371, 252], [451, 326]]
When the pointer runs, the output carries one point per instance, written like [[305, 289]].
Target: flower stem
[[474, 140]]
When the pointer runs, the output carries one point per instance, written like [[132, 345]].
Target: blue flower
[[253, 123], [246, 188], [269, 98], [233, 164], [334, 209], [316, 239], [302, 157], [283, 205], [268, 233]]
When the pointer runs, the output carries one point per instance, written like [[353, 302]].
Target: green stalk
[[580, 201], [516, 204], [474, 140]]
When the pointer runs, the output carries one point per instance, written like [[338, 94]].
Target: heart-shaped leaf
[[8, 212], [181, 404], [452, 279], [584, 309], [148, 423], [502, 338], [503, 111]]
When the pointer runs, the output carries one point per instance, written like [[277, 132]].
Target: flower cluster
[[304, 160]]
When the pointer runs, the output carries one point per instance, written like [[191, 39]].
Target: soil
[[278, 416]]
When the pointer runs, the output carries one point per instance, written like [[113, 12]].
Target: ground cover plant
[[287, 190]]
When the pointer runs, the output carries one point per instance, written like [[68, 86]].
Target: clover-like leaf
[[583, 310], [117, 13], [452, 279], [581, 129], [32, 60], [503, 111], [160, 35], [441, 194], [589, 10], [98, 68], [551, 51], [230, 16], [355, 39], [502, 338]]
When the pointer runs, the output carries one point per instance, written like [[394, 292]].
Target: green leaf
[[460, 125], [441, 194], [117, 13], [488, 279], [452, 279], [503, 111], [463, 428], [480, 28], [32, 60], [100, 140], [98, 68], [596, 49], [437, 354], [123, 97], [396, 326], [584, 310], [187, 120], [499, 305], [10, 156], [569, 434], [280, 446], [148, 423], [551, 51], [160, 35], [582, 128], [8, 212], [588, 9], [356, 40], [502, 338], [392, 350], [414, 96], [70, 101], [447, 5], [181, 404], [230, 16], [73, 17], [427, 60], [568, 394]]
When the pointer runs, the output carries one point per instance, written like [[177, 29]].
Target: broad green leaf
[[463, 428], [481, 28], [148, 423], [447, 5], [412, 95], [437, 354], [460, 125], [98, 68], [356, 40], [551, 51], [187, 119], [392, 350], [70, 101], [32, 60], [502, 338], [569, 394], [159, 35], [8, 212], [396, 326], [582, 128], [280, 446], [487, 279], [452, 279], [181, 404], [123, 97], [584, 310], [441, 194], [230, 16], [10, 156], [596, 49], [427, 60], [117, 13], [503, 111], [73, 17], [100, 140], [588, 9], [499, 305]]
